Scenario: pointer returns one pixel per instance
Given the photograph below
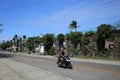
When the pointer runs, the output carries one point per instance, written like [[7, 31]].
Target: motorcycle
[[65, 63]]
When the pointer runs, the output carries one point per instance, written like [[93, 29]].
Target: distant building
[[40, 49]]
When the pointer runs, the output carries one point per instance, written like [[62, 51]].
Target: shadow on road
[[5, 55]]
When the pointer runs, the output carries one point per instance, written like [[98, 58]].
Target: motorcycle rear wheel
[[59, 64]]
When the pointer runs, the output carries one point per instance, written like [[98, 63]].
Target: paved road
[[81, 70]]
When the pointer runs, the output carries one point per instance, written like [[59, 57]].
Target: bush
[[76, 51], [51, 51]]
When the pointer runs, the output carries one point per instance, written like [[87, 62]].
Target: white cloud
[[87, 14], [83, 12]]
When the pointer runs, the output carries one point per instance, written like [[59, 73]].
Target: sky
[[36, 17]]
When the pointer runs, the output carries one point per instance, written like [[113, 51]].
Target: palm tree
[[73, 25], [15, 38], [23, 42], [24, 38], [16, 41]]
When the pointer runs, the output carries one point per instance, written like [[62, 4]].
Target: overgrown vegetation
[[88, 44]]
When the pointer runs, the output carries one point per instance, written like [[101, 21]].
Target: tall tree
[[24, 38], [73, 25], [75, 38], [30, 43], [103, 33], [60, 38], [48, 41], [15, 40]]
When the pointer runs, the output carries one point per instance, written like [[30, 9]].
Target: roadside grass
[[97, 57]]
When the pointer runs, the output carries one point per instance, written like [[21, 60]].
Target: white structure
[[40, 49], [14, 48]]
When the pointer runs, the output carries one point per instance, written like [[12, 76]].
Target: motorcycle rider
[[63, 59], [61, 55]]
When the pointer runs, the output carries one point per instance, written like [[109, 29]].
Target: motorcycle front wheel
[[70, 66]]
